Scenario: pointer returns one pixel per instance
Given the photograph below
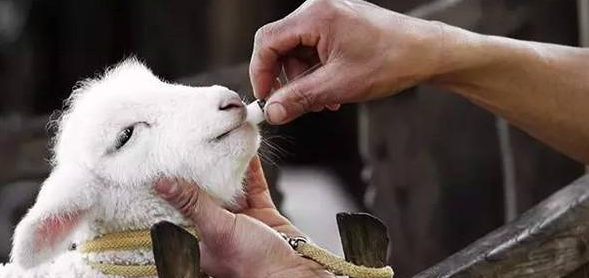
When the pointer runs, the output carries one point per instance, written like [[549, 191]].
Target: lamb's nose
[[231, 103]]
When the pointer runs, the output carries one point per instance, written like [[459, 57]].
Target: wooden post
[[549, 240], [364, 239], [175, 251], [509, 187]]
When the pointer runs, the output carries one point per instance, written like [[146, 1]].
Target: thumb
[[212, 221], [306, 94]]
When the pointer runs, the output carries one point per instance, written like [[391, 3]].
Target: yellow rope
[[128, 240], [125, 270], [338, 265], [133, 240]]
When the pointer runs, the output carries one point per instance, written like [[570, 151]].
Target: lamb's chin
[[247, 135]]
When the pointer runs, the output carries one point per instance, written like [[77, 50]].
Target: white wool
[[95, 188]]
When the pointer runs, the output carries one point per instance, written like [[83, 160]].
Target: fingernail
[[275, 113], [166, 188]]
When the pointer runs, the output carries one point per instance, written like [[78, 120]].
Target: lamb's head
[[119, 134]]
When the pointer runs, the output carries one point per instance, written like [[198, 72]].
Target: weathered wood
[[364, 239], [176, 251], [508, 166], [549, 240], [432, 157], [581, 272]]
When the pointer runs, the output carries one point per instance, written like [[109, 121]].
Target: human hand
[[246, 242], [364, 51], [258, 204]]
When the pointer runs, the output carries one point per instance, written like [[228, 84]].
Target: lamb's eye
[[124, 137]]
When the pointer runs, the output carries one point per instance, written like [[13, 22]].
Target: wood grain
[[176, 251], [549, 240], [364, 239]]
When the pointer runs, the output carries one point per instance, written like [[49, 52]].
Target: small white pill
[[255, 112]]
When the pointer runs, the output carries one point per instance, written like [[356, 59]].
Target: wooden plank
[[364, 239], [176, 251], [433, 165], [507, 161], [581, 272], [549, 240]]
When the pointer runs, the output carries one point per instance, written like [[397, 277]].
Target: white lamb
[[119, 134]]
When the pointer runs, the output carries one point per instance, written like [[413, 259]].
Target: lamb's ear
[[65, 198]]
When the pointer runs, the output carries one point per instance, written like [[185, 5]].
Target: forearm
[[541, 88]]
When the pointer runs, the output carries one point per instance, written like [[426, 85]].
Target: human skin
[[366, 52], [244, 242]]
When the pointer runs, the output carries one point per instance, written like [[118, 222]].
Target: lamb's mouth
[[226, 133]]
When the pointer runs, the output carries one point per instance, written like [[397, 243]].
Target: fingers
[[277, 84], [310, 93], [294, 68], [333, 107], [298, 61], [270, 43], [275, 220], [258, 194], [197, 206]]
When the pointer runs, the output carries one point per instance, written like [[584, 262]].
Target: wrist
[[470, 59], [459, 51], [428, 51]]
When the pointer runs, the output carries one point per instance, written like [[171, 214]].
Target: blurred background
[[437, 170]]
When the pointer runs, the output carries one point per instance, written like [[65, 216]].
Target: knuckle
[[265, 32], [327, 8], [305, 99], [188, 202], [323, 4], [335, 10], [259, 35]]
